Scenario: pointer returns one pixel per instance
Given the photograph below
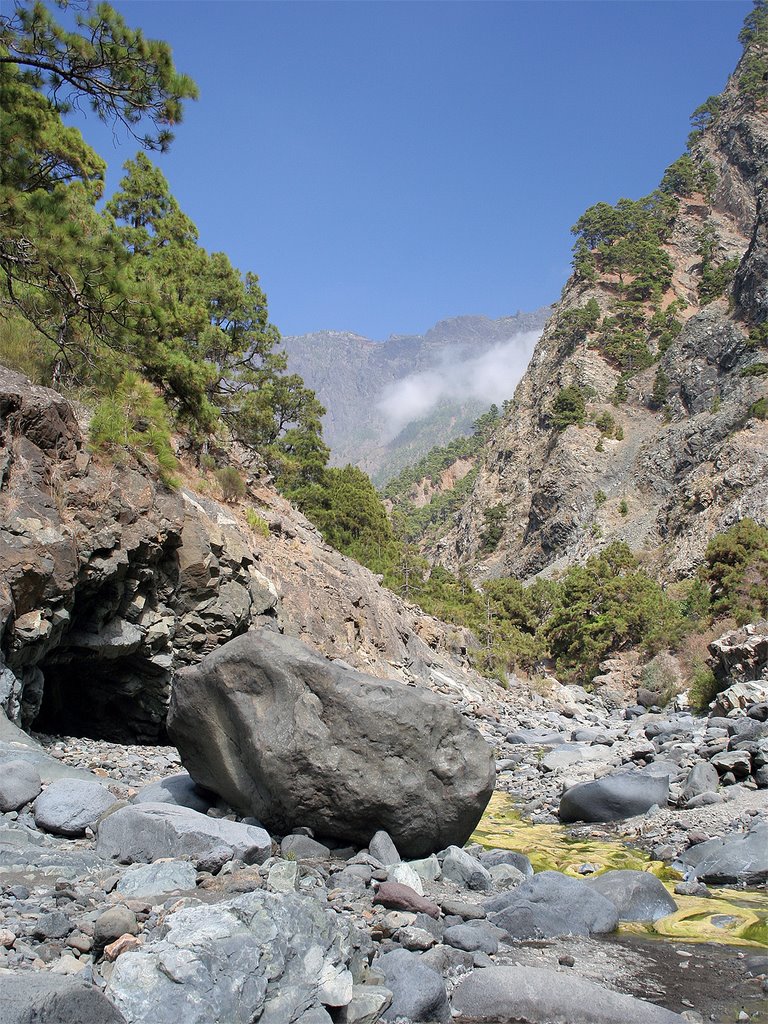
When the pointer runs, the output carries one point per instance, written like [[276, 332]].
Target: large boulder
[[742, 859], [613, 797], [292, 739], [540, 994], [551, 904], [69, 806], [275, 958], [637, 895], [143, 833]]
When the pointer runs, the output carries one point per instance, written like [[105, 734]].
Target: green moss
[[730, 916]]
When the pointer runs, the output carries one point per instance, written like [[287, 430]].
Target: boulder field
[[293, 739]]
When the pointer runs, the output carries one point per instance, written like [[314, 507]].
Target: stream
[[734, 917]]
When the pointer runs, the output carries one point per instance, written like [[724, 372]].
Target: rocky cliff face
[[352, 375], [687, 455], [109, 582]]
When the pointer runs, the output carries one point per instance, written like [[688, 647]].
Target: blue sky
[[384, 165]]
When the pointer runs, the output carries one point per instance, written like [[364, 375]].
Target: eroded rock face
[[292, 739], [739, 660], [685, 471], [110, 582], [98, 605]]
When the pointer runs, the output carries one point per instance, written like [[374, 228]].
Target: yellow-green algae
[[732, 916]]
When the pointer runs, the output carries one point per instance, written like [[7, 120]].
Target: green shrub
[[135, 419], [758, 335], [568, 408], [660, 390], [606, 424], [600, 498], [703, 688], [660, 676], [621, 391], [736, 569], [25, 350], [623, 507], [758, 410], [230, 482], [606, 605], [755, 370]]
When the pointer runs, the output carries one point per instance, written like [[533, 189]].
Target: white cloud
[[488, 378]]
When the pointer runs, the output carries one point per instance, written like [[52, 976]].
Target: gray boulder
[[69, 806], [569, 754], [19, 783], [147, 832], [540, 994], [741, 859], [304, 848], [40, 998], [383, 849], [702, 778], [259, 956], [291, 738], [146, 881], [113, 923], [493, 858], [465, 870], [637, 895], [551, 904], [476, 937], [418, 991], [180, 789], [613, 797]]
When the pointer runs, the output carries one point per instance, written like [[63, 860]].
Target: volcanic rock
[[284, 735]]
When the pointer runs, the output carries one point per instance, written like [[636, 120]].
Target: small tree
[[568, 408]]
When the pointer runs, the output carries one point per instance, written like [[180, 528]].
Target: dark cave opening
[[122, 700]]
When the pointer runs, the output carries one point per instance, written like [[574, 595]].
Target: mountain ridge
[[687, 453], [353, 379]]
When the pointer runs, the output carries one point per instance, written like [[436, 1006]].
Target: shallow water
[[738, 917]]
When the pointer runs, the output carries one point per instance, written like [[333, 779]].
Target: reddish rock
[[396, 896]]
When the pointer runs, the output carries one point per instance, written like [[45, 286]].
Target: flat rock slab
[[293, 739], [143, 833], [39, 998], [145, 881], [69, 806], [15, 744], [551, 904], [622, 795], [637, 895], [569, 754], [256, 957], [530, 995]]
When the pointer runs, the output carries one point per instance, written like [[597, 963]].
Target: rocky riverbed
[[535, 919]]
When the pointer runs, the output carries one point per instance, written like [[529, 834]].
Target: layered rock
[[292, 739], [739, 660]]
